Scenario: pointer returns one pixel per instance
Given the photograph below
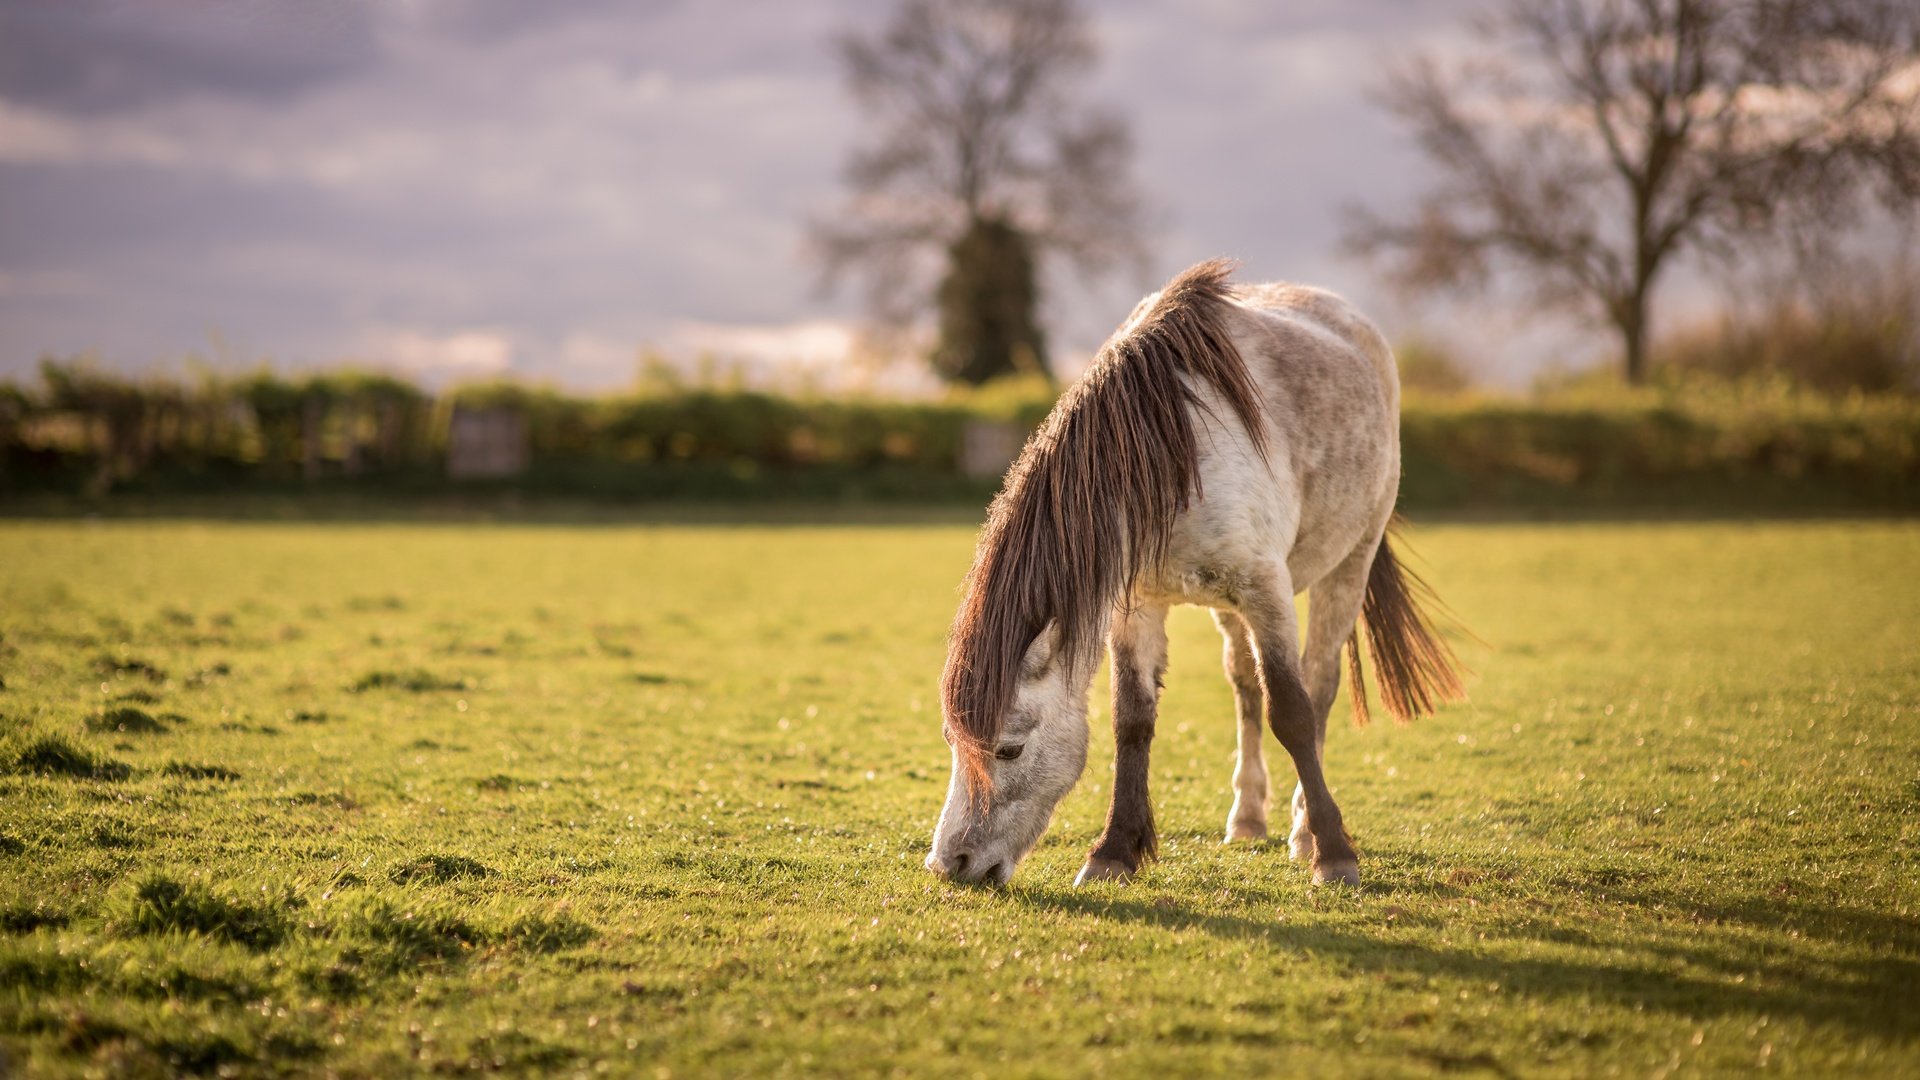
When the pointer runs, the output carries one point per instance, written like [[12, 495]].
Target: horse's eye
[[1008, 753]]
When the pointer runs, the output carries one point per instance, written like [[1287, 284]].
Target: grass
[[375, 799]]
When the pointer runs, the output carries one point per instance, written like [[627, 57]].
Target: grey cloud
[[103, 55], [598, 170], [494, 20]]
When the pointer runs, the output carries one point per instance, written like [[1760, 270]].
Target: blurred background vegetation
[[1692, 437], [1585, 152]]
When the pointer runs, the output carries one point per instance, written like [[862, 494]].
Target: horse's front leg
[[1139, 646]]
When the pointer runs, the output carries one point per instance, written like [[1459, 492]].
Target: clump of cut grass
[[549, 933], [51, 755], [113, 835], [199, 1052], [41, 972], [109, 665], [21, 917], [376, 603], [162, 905], [439, 869], [173, 981], [336, 980], [82, 1032], [131, 720], [209, 673], [339, 800], [516, 1051], [413, 681], [405, 938], [188, 770]]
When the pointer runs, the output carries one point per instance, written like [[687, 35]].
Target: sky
[[463, 189]]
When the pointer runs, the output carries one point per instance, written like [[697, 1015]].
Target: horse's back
[[1331, 400], [1313, 336]]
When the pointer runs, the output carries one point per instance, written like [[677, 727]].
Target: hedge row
[[1710, 440]]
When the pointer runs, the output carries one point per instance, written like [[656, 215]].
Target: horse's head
[[1001, 797]]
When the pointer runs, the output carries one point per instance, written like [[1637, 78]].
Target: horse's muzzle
[[968, 868]]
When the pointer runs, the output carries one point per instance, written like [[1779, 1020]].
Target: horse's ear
[[1040, 653]]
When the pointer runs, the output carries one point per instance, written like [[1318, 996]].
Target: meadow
[[651, 798]]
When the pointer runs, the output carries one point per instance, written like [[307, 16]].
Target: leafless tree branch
[[974, 120], [1598, 141]]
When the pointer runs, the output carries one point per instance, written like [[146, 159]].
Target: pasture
[[652, 799]]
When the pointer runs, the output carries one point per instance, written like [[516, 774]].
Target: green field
[[652, 799]]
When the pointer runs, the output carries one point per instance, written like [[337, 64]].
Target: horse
[[1230, 446]]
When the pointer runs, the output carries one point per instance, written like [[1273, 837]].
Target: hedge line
[[1714, 441], [1720, 444]]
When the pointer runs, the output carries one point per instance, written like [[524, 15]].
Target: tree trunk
[[1636, 342], [1631, 321], [987, 322]]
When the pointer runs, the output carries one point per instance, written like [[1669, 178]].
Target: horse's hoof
[[1300, 847], [1098, 869], [1246, 830], [1344, 873]]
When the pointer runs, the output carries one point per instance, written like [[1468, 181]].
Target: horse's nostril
[[958, 866]]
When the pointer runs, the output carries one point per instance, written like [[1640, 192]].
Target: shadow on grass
[[1871, 995]]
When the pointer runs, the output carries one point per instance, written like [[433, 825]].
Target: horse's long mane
[[1091, 502]]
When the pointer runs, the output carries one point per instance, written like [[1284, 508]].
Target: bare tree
[[1596, 142], [980, 159]]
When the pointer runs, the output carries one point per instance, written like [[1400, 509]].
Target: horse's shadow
[[1674, 968]]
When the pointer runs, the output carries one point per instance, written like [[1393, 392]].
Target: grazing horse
[[1231, 446]]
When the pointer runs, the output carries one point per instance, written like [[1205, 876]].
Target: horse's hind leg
[[1139, 644], [1267, 607], [1248, 818], [1333, 609]]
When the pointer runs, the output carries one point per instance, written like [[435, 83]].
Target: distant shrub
[[1863, 335], [1426, 367]]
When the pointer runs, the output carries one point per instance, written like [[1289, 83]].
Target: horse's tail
[[1415, 668]]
